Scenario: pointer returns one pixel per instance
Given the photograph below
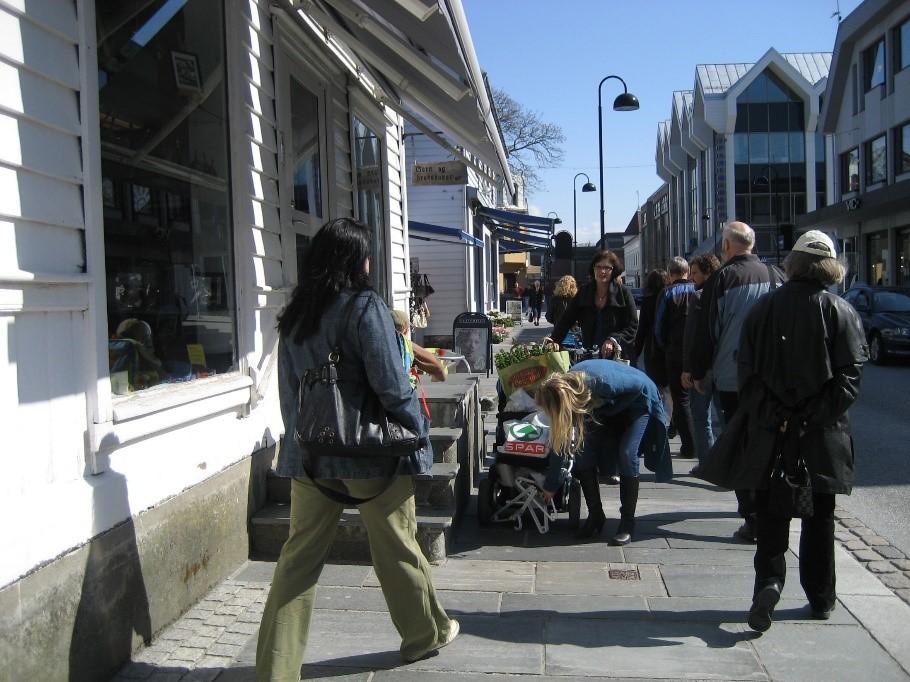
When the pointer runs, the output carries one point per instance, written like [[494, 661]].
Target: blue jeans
[[613, 445], [704, 416]]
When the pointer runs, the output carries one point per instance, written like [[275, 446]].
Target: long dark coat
[[800, 358]]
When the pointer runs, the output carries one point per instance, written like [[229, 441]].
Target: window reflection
[[307, 166], [167, 226]]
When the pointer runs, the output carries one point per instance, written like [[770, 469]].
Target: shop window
[[902, 148], [850, 171], [820, 171], [902, 45], [165, 191], [877, 160], [878, 258], [368, 169], [874, 65]]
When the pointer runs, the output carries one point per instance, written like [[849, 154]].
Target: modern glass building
[[742, 145]]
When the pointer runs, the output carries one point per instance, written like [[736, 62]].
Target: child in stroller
[[526, 476]]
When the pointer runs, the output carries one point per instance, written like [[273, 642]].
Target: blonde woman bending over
[[607, 413]]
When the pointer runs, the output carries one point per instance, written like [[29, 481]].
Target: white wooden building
[[163, 164]]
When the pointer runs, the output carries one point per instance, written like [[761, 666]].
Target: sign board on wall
[[439, 173]]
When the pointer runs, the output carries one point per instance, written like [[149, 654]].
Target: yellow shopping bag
[[529, 373]]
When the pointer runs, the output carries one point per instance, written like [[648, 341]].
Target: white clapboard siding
[[340, 136], [256, 185], [398, 242], [444, 264], [42, 322]]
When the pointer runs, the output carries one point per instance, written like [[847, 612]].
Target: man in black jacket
[[726, 300], [669, 329]]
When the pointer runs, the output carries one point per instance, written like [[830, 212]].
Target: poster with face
[[473, 344]]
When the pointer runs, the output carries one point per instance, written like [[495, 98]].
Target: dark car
[[636, 294], [885, 312]]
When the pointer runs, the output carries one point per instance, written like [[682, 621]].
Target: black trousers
[[816, 550], [745, 498], [682, 413]]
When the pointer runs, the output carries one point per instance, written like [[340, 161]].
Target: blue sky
[[551, 54]]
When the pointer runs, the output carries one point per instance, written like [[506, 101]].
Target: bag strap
[[350, 500]]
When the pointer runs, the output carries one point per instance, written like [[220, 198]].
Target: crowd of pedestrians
[[776, 358]]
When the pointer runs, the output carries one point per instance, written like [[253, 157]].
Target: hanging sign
[[439, 173]]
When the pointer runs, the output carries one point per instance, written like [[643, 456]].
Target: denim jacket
[[370, 351]]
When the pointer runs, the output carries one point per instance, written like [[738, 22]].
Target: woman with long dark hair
[[321, 313], [645, 346]]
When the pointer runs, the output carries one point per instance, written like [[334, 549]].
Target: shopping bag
[[528, 374]]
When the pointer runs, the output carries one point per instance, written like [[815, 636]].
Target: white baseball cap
[[817, 243]]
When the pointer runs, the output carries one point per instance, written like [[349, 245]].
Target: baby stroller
[[514, 484]]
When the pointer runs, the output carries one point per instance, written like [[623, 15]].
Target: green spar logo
[[525, 432]]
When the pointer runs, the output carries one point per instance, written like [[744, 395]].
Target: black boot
[[590, 488], [628, 500]]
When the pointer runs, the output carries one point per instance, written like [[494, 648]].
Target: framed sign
[[513, 309], [439, 173], [186, 71], [472, 335]]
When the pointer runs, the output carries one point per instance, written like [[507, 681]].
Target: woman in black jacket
[[645, 347], [566, 289], [800, 360], [605, 310]]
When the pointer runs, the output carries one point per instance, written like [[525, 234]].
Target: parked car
[[885, 312]]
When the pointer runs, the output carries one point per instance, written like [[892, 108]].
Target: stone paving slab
[[593, 579], [506, 544], [650, 649], [735, 609], [887, 619], [681, 557], [594, 606], [722, 581], [346, 575], [408, 676], [853, 578], [479, 576], [803, 653], [372, 599]]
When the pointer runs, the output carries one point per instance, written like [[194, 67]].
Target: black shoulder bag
[[790, 490], [328, 423]]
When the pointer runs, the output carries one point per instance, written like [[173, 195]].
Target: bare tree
[[531, 142]]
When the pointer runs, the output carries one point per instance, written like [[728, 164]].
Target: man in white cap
[[800, 361]]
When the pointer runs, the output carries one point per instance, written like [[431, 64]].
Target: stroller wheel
[[574, 504], [485, 501]]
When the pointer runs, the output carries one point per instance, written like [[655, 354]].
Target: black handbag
[[790, 489], [329, 425], [356, 425]]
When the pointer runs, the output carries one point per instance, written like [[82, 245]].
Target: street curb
[[889, 564]]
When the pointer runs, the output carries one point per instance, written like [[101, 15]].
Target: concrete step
[[433, 489], [445, 443], [270, 526]]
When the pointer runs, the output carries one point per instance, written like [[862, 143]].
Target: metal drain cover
[[623, 574]]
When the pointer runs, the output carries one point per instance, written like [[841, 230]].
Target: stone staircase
[[440, 495]]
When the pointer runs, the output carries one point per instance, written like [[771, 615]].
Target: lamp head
[[625, 102], [589, 187]]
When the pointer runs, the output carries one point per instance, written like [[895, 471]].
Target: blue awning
[[533, 240], [509, 246], [517, 219], [438, 233]]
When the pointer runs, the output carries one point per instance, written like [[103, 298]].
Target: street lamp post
[[624, 102], [587, 187], [546, 257]]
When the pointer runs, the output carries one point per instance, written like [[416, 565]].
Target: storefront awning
[[424, 51], [531, 240], [515, 219], [438, 233], [509, 246]]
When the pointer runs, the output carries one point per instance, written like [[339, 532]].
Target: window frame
[[868, 63], [869, 168], [901, 137], [360, 108], [846, 187], [899, 46]]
